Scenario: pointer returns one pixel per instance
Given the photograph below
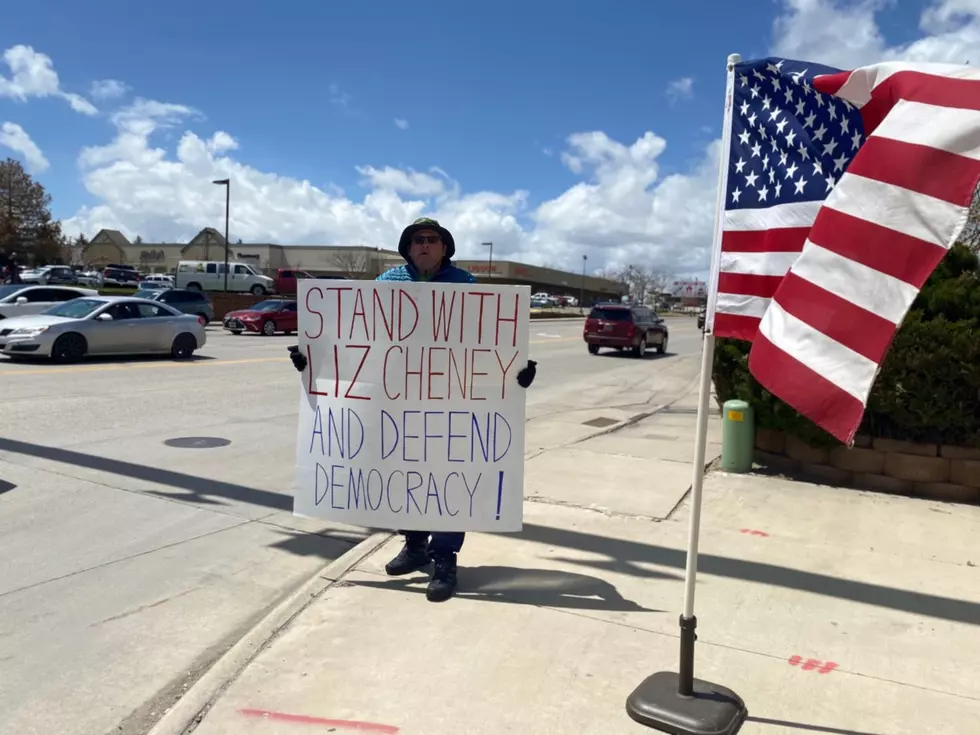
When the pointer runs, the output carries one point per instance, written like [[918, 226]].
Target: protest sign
[[410, 415]]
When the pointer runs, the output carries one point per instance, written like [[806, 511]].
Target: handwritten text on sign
[[411, 416]]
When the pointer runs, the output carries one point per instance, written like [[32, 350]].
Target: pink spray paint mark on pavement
[[375, 728]]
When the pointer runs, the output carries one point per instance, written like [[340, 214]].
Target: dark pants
[[440, 543]]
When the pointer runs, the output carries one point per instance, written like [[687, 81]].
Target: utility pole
[[490, 261], [581, 294], [227, 184]]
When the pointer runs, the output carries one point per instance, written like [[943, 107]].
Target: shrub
[[928, 388]]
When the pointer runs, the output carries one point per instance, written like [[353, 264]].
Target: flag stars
[[774, 115], [751, 178], [763, 134], [739, 165], [752, 119], [765, 162], [736, 194], [800, 108], [766, 102], [855, 141], [799, 185], [830, 182], [779, 190], [783, 157], [819, 98], [791, 171], [845, 126], [758, 75], [789, 96], [820, 132], [756, 150], [817, 169], [810, 119], [828, 148], [772, 176], [754, 91], [790, 137], [832, 111], [840, 162], [763, 193], [744, 109], [743, 137], [743, 79], [804, 152], [781, 125]]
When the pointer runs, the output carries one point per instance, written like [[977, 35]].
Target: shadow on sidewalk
[[618, 555], [538, 587], [807, 728]]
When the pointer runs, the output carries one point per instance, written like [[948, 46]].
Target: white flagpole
[[707, 362]]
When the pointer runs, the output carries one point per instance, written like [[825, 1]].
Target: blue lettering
[[367, 490], [472, 492], [317, 429], [496, 433], [317, 495], [354, 487], [432, 492], [387, 417], [410, 488], [334, 484], [406, 436], [388, 488], [449, 441], [445, 493], [333, 430], [427, 435], [477, 435], [351, 414]]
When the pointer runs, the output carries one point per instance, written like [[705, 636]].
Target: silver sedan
[[103, 325]]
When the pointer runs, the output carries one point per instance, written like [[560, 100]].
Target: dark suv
[[187, 301], [624, 327]]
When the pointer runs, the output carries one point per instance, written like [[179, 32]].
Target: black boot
[[443, 583], [411, 558]]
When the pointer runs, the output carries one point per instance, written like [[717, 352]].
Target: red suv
[[625, 327]]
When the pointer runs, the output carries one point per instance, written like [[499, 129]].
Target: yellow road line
[[73, 369]]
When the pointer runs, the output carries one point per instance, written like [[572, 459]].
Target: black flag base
[[711, 710], [679, 704]]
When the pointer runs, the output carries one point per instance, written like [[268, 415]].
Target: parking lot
[[145, 507]]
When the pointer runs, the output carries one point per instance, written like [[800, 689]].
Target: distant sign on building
[[689, 289]]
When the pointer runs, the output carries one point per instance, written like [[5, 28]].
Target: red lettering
[[336, 370], [433, 372], [402, 295], [496, 336], [309, 379], [314, 311], [384, 373], [389, 326], [339, 289], [503, 380], [353, 382], [442, 320], [359, 311], [474, 373], [414, 372], [460, 379], [479, 330]]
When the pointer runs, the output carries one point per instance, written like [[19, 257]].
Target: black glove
[[526, 376], [298, 358]]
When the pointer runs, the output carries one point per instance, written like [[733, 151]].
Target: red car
[[267, 317], [286, 278], [625, 327]]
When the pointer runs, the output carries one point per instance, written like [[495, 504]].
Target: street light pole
[[227, 184], [490, 261], [581, 293]]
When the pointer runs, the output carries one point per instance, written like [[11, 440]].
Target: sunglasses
[[426, 239]]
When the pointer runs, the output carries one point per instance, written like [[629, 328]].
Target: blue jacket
[[447, 274]]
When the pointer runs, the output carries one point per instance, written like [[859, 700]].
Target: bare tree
[[971, 233], [354, 263]]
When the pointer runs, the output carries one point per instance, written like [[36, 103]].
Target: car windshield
[[266, 306], [611, 315], [6, 291], [75, 309]]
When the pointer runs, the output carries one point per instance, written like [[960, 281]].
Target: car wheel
[[662, 347], [69, 348], [194, 287], [183, 346], [641, 349], [269, 328], [258, 290], [593, 349], [236, 331], [204, 318]]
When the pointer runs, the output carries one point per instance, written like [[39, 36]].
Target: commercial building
[[111, 246]]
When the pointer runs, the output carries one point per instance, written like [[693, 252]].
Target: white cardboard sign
[[411, 416]]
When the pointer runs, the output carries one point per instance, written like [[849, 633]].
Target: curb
[[188, 711]]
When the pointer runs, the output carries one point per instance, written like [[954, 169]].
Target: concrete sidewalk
[[828, 610]]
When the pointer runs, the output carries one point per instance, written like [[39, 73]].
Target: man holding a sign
[[409, 419]]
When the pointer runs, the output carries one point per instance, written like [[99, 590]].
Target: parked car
[[286, 278], [21, 300], [102, 325], [702, 315], [266, 317], [625, 327], [50, 274], [187, 301], [209, 275], [124, 276]]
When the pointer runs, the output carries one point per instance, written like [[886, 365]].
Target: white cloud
[[15, 138], [680, 89], [108, 89], [847, 35], [221, 142], [404, 182], [32, 74], [401, 124]]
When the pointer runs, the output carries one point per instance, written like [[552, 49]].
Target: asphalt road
[[131, 564]]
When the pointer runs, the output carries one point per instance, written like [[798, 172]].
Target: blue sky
[[523, 123]]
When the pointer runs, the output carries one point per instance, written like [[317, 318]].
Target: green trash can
[[737, 436]]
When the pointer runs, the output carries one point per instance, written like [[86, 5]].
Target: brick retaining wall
[[931, 471]]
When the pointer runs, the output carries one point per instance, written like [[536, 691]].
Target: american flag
[[844, 191]]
